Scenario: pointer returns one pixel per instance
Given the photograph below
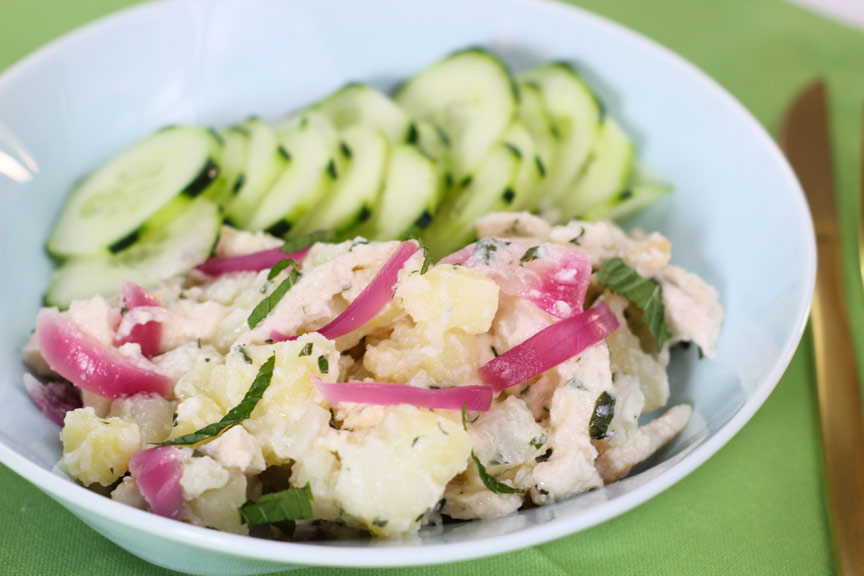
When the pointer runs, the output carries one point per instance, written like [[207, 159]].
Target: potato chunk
[[97, 450], [396, 470], [451, 297]]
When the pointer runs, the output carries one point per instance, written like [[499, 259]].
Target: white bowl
[[737, 217]]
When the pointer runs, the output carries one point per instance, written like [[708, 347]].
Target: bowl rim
[[306, 554]]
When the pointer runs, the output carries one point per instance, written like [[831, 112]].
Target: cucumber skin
[[82, 277], [57, 245]]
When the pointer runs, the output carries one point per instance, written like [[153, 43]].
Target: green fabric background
[[754, 508]]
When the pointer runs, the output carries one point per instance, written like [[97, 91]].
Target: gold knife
[[804, 139]]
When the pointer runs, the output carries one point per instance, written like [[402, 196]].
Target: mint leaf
[[646, 294], [604, 411], [303, 242], [270, 301], [235, 415], [291, 504], [492, 483]]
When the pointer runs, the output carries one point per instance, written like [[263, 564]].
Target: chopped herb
[[199, 343], [578, 238], [280, 228], [283, 152], [492, 483], [182, 295], [533, 253], [245, 354], [380, 522], [303, 242], [207, 359], [236, 414], [625, 194], [604, 411], [174, 420], [575, 382], [265, 287], [465, 416], [497, 462], [358, 243], [413, 135], [323, 364], [279, 267], [508, 196], [331, 170], [544, 457], [267, 304], [701, 353], [444, 432], [426, 259], [524, 391], [197, 454], [541, 491], [646, 294], [538, 441], [290, 504], [466, 181], [434, 387], [494, 351], [441, 504], [414, 442], [484, 249], [306, 351]]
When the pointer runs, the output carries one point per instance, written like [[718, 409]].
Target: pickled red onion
[[53, 399], [371, 300], [477, 398], [149, 335], [549, 347], [91, 365], [157, 472], [255, 262]]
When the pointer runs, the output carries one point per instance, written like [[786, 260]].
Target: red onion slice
[[549, 347], [53, 399], [477, 398], [255, 262], [158, 471], [148, 335], [370, 301], [552, 276], [90, 365]]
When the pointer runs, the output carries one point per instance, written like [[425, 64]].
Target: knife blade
[[805, 140]]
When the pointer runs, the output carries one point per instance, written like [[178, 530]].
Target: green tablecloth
[[754, 508]]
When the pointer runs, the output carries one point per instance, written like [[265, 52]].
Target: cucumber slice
[[530, 168], [430, 140], [608, 172], [575, 118], [265, 160], [235, 155], [359, 104], [309, 142], [492, 189], [109, 206], [364, 153], [628, 202], [470, 96], [533, 115], [178, 238], [412, 191]]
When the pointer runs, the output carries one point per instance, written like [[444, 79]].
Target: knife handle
[[840, 411]]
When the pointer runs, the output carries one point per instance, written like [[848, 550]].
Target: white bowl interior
[[737, 216]]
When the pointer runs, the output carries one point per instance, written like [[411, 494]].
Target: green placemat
[[754, 508]]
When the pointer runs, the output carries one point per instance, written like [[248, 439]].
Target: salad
[[388, 331]]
